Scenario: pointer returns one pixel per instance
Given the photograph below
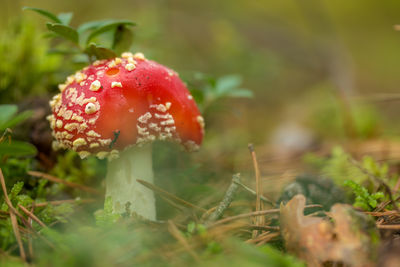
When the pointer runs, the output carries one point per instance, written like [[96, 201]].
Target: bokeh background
[[321, 71]]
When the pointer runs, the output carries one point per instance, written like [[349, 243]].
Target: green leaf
[[106, 217], [6, 113], [364, 199], [107, 27], [228, 86], [65, 18], [91, 25], [214, 247], [64, 31], [17, 148], [191, 227], [24, 200], [16, 189], [241, 93], [99, 52], [49, 35], [43, 12], [16, 120], [211, 80], [228, 83], [123, 38]]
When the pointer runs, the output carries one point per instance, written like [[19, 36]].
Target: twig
[[24, 221], [244, 215], [8, 202], [14, 221], [263, 238], [32, 216], [377, 179], [67, 183], [181, 239], [383, 205], [30, 244], [267, 238], [384, 213], [254, 213], [255, 240], [233, 204], [382, 97], [169, 195], [389, 226], [397, 185], [173, 204], [226, 201], [259, 205], [59, 202], [263, 227], [251, 191]]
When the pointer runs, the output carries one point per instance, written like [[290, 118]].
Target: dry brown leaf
[[347, 239]]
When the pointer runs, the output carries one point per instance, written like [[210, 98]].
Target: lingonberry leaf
[[20, 117], [123, 38], [245, 93], [92, 25], [64, 31], [99, 52], [44, 13], [108, 26], [65, 18], [17, 148], [7, 112]]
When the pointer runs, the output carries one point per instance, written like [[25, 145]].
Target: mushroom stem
[[126, 193]]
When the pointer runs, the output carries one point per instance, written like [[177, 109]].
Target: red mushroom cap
[[120, 102]]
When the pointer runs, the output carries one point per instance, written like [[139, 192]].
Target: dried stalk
[[59, 202], [30, 244], [61, 181], [181, 239], [226, 201], [251, 191], [259, 205], [254, 213], [168, 195], [389, 226], [14, 221], [32, 216]]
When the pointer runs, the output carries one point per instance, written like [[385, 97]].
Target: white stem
[[121, 185]]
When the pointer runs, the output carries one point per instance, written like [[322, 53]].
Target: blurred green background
[[315, 67], [283, 49]]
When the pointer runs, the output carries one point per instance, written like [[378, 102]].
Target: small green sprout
[[84, 38], [364, 199]]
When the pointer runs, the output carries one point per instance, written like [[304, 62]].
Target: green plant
[[8, 119], [207, 89], [26, 68], [339, 167], [85, 37], [106, 217], [364, 199], [363, 179], [336, 167]]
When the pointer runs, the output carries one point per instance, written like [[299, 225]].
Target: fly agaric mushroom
[[116, 108]]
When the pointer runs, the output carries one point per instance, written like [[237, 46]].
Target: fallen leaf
[[344, 237]]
